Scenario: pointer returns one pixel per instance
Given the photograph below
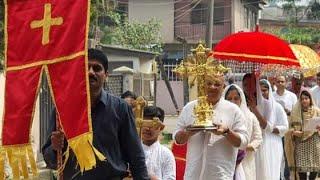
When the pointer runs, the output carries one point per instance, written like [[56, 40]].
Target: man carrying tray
[[211, 153]]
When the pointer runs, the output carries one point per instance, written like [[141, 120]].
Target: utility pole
[[210, 24], [185, 79]]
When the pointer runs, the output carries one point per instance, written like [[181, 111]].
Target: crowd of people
[[263, 133]]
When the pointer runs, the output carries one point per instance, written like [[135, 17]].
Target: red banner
[[46, 36]]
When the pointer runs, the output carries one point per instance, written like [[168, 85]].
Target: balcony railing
[[196, 32]]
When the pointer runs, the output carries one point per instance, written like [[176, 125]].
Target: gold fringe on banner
[[19, 156], [2, 163], [84, 151]]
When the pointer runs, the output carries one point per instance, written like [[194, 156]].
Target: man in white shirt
[[316, 91], [212, 154], [286, 98], [160, 161]]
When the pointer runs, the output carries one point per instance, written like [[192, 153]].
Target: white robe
[[248, 163], [246, 170], [270, 153], [210, 156], [287, 100], [315, 91], [160, 161]]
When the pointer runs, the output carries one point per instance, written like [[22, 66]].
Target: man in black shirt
[[114, 133]]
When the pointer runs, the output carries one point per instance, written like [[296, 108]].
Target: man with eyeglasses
[[316, 91], [114, 133]]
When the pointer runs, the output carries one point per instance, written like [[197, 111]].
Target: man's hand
[[153, 177], [252, 102], [275, 131], [221, 129], [183, 136], [57, 140], [318, 127], [297, 133]]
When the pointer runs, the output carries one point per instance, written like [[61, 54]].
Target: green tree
[[294, 12], [298, 35], [314, 13], [294, 33], [136, 35]]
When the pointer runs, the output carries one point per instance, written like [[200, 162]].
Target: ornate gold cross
[[200, 65], [46, 23], [139, 105]]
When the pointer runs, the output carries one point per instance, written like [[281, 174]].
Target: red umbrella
[[256, 47]]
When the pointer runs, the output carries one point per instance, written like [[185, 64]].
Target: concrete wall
[[163, 10], [239, 17], [163, 97], [146, 66], [119, 58]]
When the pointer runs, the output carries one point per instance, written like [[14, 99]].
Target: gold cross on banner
[[46, 23]]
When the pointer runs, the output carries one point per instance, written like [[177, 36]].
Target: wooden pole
[[59, 153]]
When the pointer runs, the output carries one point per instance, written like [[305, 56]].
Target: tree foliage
[[314, 13], [298, 35], [136, 35], [294, 33], [293, 11]]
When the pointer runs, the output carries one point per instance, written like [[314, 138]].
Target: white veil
[[266, 106], [243, 106]]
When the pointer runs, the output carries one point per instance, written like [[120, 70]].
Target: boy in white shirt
[[159, 159]]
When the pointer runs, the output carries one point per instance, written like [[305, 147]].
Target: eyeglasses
[[95, 67]]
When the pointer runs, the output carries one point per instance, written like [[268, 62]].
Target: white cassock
[[247, 167], [287, 100], [160, 161], [270, 153], [315, 91], [210, 156]]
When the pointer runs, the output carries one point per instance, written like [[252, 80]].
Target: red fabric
[[68, 77], [179, 152], [20, 95], [257, 44], [69, 86], [24, 43]]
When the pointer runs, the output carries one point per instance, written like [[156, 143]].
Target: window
[[219, 16], [199, 14], [246, 17]]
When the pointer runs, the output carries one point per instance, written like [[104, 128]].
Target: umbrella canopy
[[257, 47], [309, 60]]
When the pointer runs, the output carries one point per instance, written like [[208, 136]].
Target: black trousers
[[303, 176]]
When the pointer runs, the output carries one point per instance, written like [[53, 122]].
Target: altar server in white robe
[[160, 161], [212, 154], [234, 93], [274, 124]]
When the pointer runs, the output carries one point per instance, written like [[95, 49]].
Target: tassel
[[2, 163], [84, 151], [18, 160]]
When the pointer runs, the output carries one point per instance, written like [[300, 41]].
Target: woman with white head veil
[[274, 124], [235, 94]]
